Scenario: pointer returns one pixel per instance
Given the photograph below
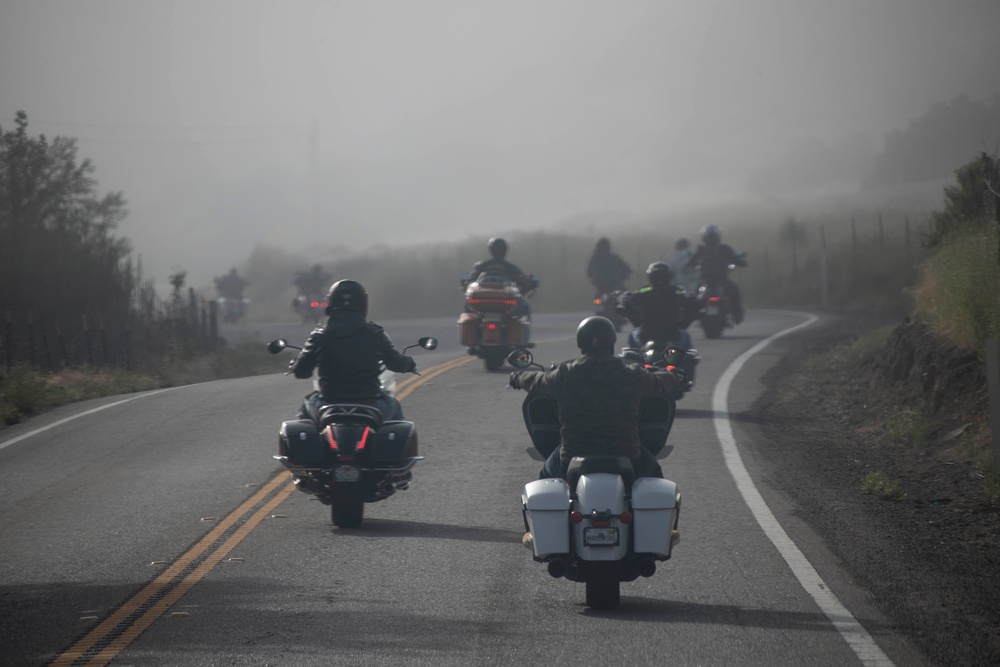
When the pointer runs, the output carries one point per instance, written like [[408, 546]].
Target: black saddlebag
[[300, 441], [394, 442]]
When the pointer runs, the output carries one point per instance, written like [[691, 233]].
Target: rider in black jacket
[[348, 354]]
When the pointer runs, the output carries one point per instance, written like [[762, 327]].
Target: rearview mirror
[[520, 358], [276, 346], [428, 342]]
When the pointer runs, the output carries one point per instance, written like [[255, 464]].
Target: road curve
[[161, 529]]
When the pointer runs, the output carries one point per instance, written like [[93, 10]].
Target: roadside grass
[[878, 485], [25, 391], [910, 426]]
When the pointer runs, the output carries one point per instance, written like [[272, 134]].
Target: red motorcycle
[[495, 320]]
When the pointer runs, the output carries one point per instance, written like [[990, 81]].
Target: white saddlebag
[[655, 503], [546, 509]]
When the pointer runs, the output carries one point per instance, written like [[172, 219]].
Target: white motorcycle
[[601, 525]]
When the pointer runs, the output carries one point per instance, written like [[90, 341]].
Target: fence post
[[993, 382], [823, 280], [9, 343], [31, 338]]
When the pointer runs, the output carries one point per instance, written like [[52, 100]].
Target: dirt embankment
[[913, 409]]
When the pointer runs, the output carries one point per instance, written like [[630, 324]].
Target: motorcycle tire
[[604, 592], [713, 326], [494, 359], [347, 510]]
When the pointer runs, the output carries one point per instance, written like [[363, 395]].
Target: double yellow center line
[[112, 635]]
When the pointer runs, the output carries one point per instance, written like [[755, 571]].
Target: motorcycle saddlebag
[[517, 332], [655, 506], [394, 442], [300, 441], [545, 503], [468, 329]]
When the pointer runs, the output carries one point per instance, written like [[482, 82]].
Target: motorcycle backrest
[[350, 413], [614, 465]]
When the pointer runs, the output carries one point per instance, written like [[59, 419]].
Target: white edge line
[[850, 629], [29, 434]]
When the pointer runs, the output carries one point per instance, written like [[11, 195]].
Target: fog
[[346, 124]]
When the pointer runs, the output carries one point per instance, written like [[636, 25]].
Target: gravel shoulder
[[831, 415]]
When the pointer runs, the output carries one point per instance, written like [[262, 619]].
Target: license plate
[[492, 317], [346, 474], [712, 310], [600, 537]]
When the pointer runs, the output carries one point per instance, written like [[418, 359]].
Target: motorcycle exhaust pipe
[[387, 488], [302, 484], [557, 568], [647, 567]]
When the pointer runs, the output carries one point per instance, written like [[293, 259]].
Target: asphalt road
[[163, 515]]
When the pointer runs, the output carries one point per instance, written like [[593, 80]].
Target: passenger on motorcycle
[[607, 270], [348, 353], [598, 397], [714, 258], [499, 265], [661, 311]]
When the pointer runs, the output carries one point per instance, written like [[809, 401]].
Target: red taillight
[[331, 441], [364, 439], [346, 458], [671, 368], [625, 517], [314, 304], [492, 326], [597, 302], [601, 524], [715, 298], [575, 517], [480, 301]]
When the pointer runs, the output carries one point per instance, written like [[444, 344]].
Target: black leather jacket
[[348, 354]]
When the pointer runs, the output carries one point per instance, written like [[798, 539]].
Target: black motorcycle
[[351, 455]]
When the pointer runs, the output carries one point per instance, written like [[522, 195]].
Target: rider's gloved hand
[[515, 380], [412, 366]]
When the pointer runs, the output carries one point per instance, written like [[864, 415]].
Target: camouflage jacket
[[598, 400]]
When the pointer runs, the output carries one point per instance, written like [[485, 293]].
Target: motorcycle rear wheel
[[347, 510], [603, 592], [713, 326], [494, 359]]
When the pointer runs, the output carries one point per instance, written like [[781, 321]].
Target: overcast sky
[[231, 122]]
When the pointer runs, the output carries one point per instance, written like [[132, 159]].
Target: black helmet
[[596, 335], [711, 234], [347, 295], [498, 247], [659, 273], [603, 245], [681, 244]]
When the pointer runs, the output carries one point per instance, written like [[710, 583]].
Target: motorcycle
[[719, 313], [490, 326], [601, 525], [606, 303], [665, 355], [353, 455], [232, 309], [309, 309]]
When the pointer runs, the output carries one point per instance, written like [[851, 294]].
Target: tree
[[59, 256], [972, 200]]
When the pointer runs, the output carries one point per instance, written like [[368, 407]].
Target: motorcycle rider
[[661, 310], [714, 258], [497, 263], [312, 282], [598, 397], [348, 353], [607, 270], [684, 276], [231, 285]]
